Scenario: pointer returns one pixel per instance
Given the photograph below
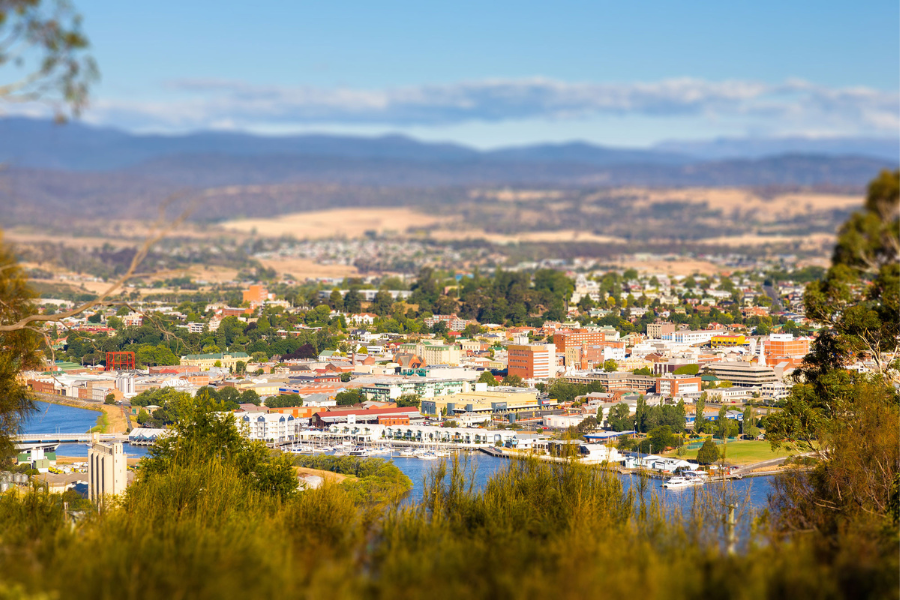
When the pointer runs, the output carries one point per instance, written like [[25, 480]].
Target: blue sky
[[499, 73]]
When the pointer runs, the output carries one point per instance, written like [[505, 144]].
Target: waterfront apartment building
[[578, 337], [492, 401], [532, 361], [268, 427], [677, 385]]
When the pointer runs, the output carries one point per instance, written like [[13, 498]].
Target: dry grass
[[509, 195], [349, 222], [814, 241], [303, 267], [745, 203], [326, 475], [686, 266], [561, 236], [115, 418]]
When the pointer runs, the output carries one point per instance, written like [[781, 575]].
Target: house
[[362, 319]]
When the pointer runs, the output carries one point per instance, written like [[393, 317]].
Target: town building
[[676, 385], [208, 361], [785, 345], [578, 337], [532, 361], [433, 353], [617, 380], [657, 329], [365, 416], [453, 322], [391, 388], [744, 374], [257, 295], [727, 340], [493, 401]]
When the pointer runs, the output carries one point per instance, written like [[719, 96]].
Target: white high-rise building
[[107, 469]]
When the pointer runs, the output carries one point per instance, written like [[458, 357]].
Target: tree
[[691, 369], [587, 425], [283, 401], [110, 399], [349, 397], [488, 378], [619, 417], [748, 425], [411, 400], [699, 416], [336, 300], [44, 42], [18, 348], [643, 371], [610, 366], [143, 416], [514, 381], [250, 397], [661, 437], [722, 424], [202, 434], [639, 414], [708, 453], [382, 303], [353, 301], [240, 367]]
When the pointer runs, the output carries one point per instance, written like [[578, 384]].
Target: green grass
[[102, 424], [744, 452]]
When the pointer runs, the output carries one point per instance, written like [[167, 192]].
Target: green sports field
[[744, 452]]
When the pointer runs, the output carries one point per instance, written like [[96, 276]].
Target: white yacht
[[680, 481]]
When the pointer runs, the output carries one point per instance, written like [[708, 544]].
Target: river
[[59, 418], [751, 492]]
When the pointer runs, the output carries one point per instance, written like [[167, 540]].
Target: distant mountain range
[[76, 170], [75, 146]]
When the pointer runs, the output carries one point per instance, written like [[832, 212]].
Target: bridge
[[52, 440]]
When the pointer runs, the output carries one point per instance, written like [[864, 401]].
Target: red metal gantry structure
[[120, 361]]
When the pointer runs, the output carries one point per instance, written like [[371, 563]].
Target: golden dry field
[[345, 222]]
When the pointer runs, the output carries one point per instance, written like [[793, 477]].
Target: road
[[776, 299]]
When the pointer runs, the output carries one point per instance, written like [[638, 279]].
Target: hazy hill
[[54, 173], [76, 146]]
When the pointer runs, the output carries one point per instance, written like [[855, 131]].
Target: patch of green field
[[745, 452]]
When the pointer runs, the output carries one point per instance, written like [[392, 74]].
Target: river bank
[[115, 422]]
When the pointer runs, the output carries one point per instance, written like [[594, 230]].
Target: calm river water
[[749, 493]]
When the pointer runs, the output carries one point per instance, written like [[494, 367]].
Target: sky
[[489, 74]]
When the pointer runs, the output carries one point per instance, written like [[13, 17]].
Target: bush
[[708, 453]]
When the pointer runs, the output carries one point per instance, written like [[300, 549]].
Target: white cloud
[[792, 105]]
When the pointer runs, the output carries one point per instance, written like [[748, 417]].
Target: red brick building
[[577, 337]]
